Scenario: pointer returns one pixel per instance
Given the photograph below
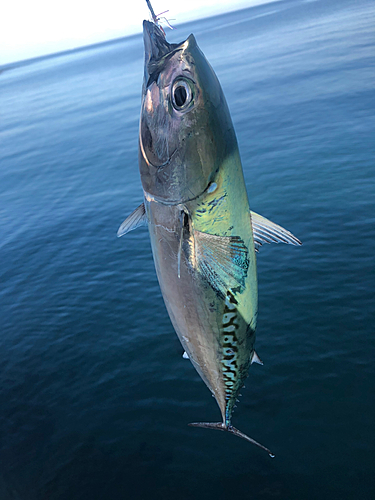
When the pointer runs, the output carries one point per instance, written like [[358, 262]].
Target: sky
[[31, 28]]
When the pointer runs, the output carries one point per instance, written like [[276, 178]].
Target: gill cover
[[185, 129]]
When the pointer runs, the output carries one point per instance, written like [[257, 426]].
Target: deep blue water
[[95, 397]]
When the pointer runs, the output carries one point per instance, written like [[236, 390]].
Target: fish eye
[[182, 94]]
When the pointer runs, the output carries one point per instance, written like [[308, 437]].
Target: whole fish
[[203, 235]]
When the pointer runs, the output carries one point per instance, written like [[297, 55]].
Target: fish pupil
[[180, 96]]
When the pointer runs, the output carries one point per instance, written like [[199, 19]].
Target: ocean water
[[95, 396]]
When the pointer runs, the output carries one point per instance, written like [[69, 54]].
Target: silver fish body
[[203, 235]]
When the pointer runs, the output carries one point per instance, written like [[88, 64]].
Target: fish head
[[186, 130]]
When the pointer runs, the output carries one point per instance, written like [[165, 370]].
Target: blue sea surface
[[95, 396]]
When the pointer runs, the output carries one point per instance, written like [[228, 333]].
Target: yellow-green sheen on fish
[[203, 235]]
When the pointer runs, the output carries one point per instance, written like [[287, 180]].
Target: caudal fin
[[219, 426]]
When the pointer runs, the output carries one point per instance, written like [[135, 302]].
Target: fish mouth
[[157, 51], [156, 46]]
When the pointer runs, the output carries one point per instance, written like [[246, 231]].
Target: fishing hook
[[156, 18], [165, 19]]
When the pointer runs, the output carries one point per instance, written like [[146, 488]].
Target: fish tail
[[220, 426]]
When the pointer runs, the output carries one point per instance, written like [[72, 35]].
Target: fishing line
[[156, 18]]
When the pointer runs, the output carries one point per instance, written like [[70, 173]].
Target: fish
[[204, 237]]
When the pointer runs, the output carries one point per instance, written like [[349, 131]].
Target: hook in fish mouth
[[157, 51], [156, 46]]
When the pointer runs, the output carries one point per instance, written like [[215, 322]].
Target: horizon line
[[59, 53]]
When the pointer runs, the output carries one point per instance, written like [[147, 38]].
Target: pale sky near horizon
[[38, 27]]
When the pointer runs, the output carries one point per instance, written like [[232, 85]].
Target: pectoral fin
[[265, 231], [136, 219], [222, 260]]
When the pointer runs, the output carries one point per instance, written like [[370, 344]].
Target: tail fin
[[219, 426]]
